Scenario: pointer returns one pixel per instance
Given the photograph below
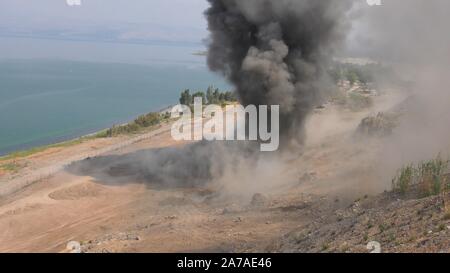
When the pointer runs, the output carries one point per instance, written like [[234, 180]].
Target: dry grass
[[12, 167], [426, 178]]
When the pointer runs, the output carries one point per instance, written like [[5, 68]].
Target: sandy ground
[[44, 164], [137, 217]]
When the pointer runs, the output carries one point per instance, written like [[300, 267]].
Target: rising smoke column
[[275, 52]]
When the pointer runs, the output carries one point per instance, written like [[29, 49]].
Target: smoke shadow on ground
[[188, 166]]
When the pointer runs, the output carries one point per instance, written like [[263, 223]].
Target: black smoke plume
[[275, 52]]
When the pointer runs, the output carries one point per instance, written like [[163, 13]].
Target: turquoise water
[[46, 101]]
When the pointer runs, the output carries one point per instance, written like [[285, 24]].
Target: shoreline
[[45, 163], [69, 139]]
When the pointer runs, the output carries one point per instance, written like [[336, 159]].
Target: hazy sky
[[129, 21], [164, 22], [147, 19]]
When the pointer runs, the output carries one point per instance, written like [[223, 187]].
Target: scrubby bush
[[11, 167], [426, 178], [142, 122], [402, 182], [380, 125]]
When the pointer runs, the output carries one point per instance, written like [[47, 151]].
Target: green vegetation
[[402, 182], [142, 122], [211, 96], [137, 125], [11, 167], [427, 178], [29, 152]]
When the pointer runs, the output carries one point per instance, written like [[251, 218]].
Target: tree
[[210, 95], [229, 96], [199, 94], [186, 98], [216, 96], [222, 97]]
